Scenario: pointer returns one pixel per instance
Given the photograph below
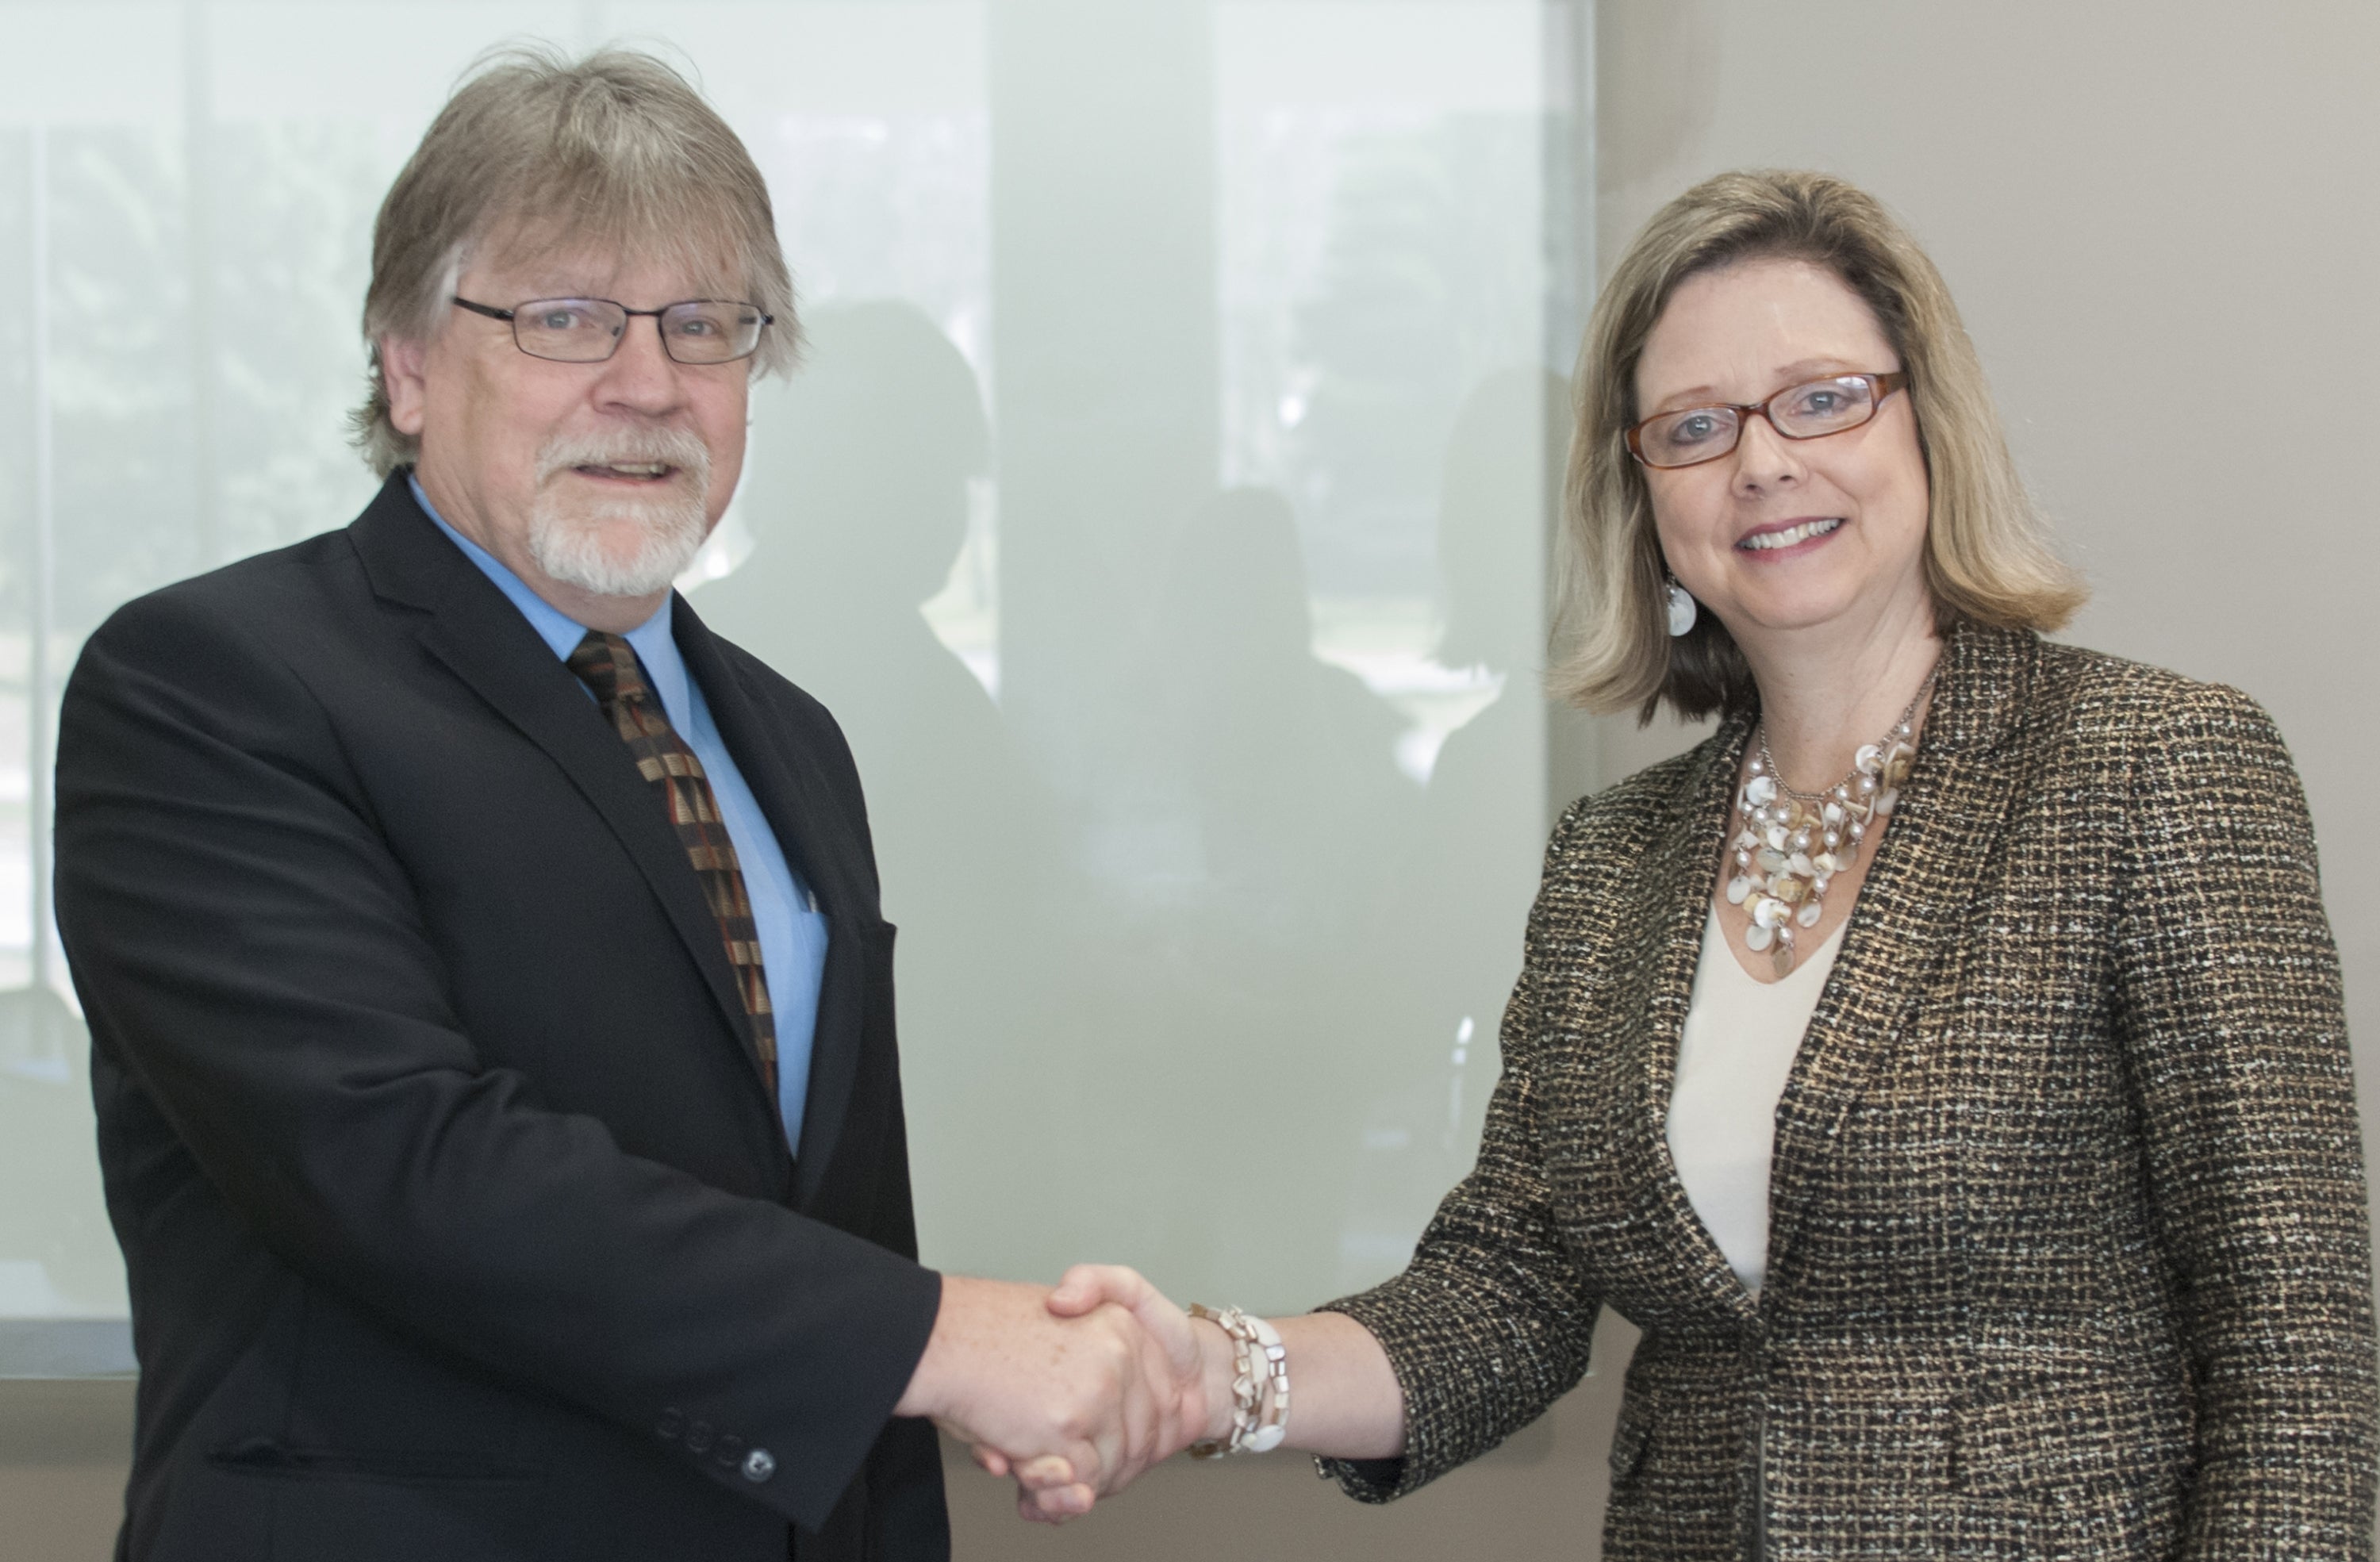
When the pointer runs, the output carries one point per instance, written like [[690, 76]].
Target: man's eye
[[563, 319]]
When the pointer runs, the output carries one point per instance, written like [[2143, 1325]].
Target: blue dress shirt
[[792, 929]]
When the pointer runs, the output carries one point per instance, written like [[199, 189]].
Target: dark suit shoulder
[[762, 682], [285, 596], [798, 713]]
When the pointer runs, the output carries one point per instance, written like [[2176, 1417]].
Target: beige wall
[[2162, 221], [63, 1454]]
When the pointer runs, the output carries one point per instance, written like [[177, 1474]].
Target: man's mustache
[[643, 447]]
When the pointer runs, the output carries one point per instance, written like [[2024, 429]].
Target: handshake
[[1073, 1391]]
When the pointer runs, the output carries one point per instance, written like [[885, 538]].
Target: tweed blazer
[[2068, 1250]]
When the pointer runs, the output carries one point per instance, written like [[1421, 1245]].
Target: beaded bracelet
[[1259, 1361]]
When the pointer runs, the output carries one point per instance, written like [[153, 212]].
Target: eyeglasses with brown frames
[[1810, 410]]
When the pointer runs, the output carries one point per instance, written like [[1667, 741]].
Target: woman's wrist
[[1217, 1356]]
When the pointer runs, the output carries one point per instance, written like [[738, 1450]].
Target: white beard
[[576, 543]]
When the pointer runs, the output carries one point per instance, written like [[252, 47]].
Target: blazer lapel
[[819, 842], [1911, 913], [484, 641], [1682, 869]]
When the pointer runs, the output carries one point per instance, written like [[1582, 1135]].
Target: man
[[491, 1016]]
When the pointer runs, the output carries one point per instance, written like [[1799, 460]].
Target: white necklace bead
[[1795, 842]]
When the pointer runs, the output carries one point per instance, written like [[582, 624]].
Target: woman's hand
[[1350, 1404], [1198, 1354], [1084, 1401], [1177, 1356]]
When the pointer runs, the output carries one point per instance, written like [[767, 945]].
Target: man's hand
[[1349, 1403], [1192, 1361], [1198, 1356], [1075, 1406]]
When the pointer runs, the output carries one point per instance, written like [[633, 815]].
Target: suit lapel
[[1911, 914], [1682, 869], [819, 840], [485, 642]]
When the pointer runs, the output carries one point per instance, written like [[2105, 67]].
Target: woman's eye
[[1827, 402], [1694, 429]]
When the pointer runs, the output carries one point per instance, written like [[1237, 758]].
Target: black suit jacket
[[459, 1221]]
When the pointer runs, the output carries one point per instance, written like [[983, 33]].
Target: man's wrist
[[928, 1390]]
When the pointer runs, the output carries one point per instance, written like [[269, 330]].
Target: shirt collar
[[656, 647]]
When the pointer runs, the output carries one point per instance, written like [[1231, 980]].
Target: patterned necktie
[[607, 665]]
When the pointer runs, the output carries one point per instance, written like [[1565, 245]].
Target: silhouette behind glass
[[1463, 895], [857, 499]]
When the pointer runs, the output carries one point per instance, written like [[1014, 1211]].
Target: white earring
[[1681, 610]]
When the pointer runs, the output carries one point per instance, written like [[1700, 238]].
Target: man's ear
[[403, 369]]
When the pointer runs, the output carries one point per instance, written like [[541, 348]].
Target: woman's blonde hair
[[1988, 559], [536, 151]]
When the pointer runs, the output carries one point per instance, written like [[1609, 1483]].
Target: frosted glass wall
[[1160, 508]]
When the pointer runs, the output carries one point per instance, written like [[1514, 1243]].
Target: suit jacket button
[[672, 1424], [758, 1465], [698, 1435], [731, 1450]]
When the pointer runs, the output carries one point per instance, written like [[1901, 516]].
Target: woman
[[1943, 1064]]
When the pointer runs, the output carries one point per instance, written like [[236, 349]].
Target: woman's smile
[[1790, 538]]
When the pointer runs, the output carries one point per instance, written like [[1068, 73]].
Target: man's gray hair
[[616, 153]]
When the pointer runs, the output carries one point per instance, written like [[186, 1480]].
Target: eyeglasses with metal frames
[[1810, 410], [698, 331]]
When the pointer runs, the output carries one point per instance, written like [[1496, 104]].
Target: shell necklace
[[1789, 844]]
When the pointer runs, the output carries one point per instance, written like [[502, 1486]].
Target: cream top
[[1740, 1039]]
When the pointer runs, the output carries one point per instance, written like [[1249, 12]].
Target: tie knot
[[607, 665]]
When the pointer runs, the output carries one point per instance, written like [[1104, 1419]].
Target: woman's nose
[[1763, 457]]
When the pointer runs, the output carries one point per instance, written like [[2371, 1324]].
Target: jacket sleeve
[[2230, 1007], [245, 937], [1490, 1323], [909, 1515]]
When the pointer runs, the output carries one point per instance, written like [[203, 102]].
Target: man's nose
[[640, 375]]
